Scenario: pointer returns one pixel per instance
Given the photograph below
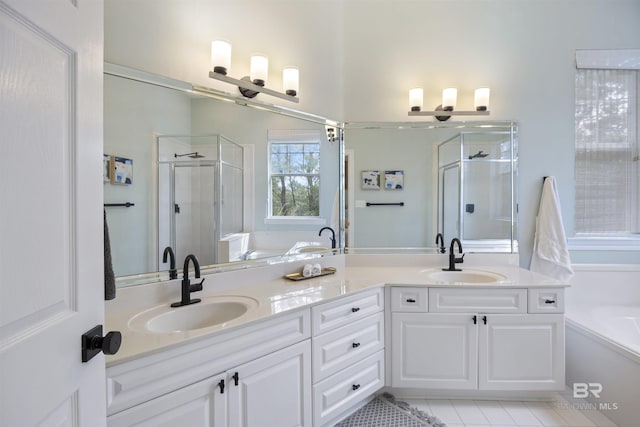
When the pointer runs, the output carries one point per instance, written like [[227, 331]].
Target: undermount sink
[[211, 311], [467, 276]]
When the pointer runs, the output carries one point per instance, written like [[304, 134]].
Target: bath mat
[[386, 411]]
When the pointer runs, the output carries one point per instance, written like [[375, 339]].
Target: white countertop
[[279, 295]]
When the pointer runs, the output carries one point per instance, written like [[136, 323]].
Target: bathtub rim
[[596, 336]]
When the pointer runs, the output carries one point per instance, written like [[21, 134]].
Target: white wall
[[358, 59], [173, 38]]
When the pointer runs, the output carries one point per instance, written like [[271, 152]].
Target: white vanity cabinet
[[256, 375], [477, 339], [348, 353]]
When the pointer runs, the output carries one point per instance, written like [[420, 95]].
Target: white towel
[[550, 254]]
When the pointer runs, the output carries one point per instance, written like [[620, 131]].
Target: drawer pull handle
[[355, 309], [549, 301], [411, 300], [355, 387], [221, 385], [355, 344]]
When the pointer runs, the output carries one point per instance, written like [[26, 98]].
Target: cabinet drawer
[[339, 392], [546, 300], [408, 299], [345, 310], [471, 300], [346, 345]]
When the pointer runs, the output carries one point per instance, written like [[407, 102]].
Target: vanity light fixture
[[447, 109], [251, 85]]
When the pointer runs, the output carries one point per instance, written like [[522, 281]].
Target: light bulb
[[220, 56]]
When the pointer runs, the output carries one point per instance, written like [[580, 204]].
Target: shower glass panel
[[476, 189], [200, 194]]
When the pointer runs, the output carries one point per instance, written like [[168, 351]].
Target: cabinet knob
[[549, 301], [221, 385], [355, 344], [93, 343], [484, 319], [236, 378], [475, 319], [355, 309], [355, 386], [411, 300]]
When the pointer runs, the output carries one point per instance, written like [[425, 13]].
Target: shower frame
[[459, 162], [218, 188]]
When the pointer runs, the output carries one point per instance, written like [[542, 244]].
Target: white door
[[51, 267], [437, 351], [522, 352], [274, 390], [202, 404]]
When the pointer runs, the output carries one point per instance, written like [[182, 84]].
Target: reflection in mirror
[[236, 183], [476, 193], [442, 190]]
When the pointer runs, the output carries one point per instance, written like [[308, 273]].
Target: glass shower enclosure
[[200, 194], [477, 190]]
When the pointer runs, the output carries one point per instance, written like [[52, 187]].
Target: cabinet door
[[274, 390], [522, 352], [200, 404], [436, 351]]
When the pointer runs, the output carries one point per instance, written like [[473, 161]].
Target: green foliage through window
[[295, 179]]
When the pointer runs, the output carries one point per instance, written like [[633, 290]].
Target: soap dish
[[299, 276]]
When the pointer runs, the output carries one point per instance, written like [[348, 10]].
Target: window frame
[[618, 59], [292, 137]]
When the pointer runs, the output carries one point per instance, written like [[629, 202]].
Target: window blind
[[606, 163]]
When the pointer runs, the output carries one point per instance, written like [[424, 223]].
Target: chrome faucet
[[173, 273], [453, 260], [187, 287], [333, 236], [440, 238]]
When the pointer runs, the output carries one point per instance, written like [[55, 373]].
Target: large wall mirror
[[406, 182], [236, 182]]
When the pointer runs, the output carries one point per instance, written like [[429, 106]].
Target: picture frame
[[393, 179], [122, 170], [106, 168], [370, 180]]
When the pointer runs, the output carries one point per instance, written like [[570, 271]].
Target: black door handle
[[93, 343], [221, 385], [355, 309], [355, 344], [236, 378], [549, 301], [484, 319], [355, 387], [411, 300], [475, 320]]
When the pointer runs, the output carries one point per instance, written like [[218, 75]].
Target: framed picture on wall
[[370, 180], [122, 170], [394, 180]]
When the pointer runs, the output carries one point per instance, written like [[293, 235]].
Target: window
[[294, 174], [606, 153]]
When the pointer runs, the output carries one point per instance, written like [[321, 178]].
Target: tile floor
[[564, 412]]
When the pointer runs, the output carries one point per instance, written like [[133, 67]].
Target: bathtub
[[603, 340]]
